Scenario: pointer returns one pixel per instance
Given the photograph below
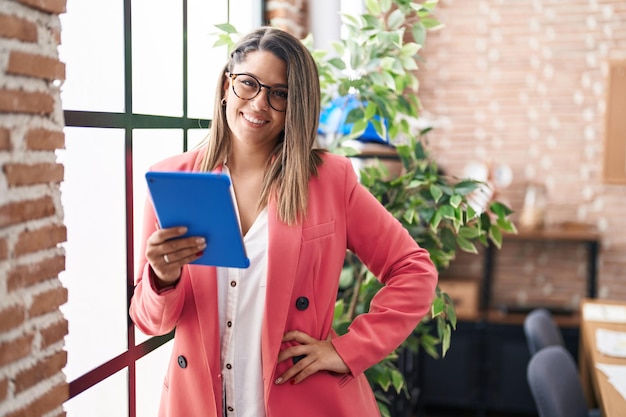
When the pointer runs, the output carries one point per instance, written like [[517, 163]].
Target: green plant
[[376, 61]]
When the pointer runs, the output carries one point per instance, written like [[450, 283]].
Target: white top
[[241, 298]]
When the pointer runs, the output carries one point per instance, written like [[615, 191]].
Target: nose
[[262, 99]]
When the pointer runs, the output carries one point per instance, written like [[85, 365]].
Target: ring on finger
[[166, 258]]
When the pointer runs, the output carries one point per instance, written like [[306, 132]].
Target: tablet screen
[[203, 203]]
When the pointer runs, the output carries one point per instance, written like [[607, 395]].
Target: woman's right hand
[[167, 252]]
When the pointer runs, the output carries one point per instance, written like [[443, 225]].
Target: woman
[[259, 341]]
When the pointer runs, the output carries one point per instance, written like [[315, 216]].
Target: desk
[[598, 389]]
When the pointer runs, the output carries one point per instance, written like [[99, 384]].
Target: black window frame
[[129, 121]]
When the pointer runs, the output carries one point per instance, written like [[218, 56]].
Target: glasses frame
[[261, 86]]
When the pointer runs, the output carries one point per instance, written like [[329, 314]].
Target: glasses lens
[[247, 87], [278, 98]]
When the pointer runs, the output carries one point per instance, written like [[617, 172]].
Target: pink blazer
[[304, 260]]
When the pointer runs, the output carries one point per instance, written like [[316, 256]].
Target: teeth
[[252, 119]]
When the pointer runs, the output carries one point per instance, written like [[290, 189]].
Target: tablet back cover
[[202, 202]]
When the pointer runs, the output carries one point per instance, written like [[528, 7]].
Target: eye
[[249, 82], [280, 93]]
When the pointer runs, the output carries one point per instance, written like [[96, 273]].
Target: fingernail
[[278, 380], [200, 240], [293, 381], [199, 253]]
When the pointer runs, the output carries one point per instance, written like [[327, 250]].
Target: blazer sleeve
[[153, 312], [405, 269]]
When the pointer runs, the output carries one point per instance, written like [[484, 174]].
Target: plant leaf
[[466, 245], [436, 192], [373, 6], [395, 19], [445, 343], [227, 27], [496, 236]]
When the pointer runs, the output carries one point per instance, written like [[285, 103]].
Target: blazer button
[[182, 362], [302, 303]]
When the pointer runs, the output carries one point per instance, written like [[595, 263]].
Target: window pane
[[150, 374], [93, 201], [205, 61], [105, 399], [149, 146], [93, 50], [195, 136], [157, 57], [245, 21]]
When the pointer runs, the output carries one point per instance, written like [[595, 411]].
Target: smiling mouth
[[253, 119]]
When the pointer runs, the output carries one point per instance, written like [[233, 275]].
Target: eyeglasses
[[247, 87]]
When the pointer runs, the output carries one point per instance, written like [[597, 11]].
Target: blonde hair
[[293, 160]]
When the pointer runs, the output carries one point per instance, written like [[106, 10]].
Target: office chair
[[541, 330], [555, 385]]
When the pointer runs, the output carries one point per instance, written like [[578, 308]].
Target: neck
[[248, 162]]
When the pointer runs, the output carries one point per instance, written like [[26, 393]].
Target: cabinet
[[484, 373], [485, 370]]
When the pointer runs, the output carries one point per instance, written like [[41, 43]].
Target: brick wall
[[524, 83], [32, 328], [289, 15]]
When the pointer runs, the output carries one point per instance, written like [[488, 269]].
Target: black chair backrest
[[555, 385], [541, 330]]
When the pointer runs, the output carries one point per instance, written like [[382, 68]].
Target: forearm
[[155, 310]]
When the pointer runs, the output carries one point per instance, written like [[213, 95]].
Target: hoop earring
[[223, 102]]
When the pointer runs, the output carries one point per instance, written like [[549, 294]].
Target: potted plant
[[375, 62]]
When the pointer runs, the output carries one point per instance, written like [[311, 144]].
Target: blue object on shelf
[[333, 120]]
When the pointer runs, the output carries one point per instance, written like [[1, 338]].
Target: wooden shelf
[[563, 232], [501, 317]]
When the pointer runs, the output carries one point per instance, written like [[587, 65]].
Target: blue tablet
[[202, 202]]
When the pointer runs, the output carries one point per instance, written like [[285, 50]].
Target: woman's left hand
[[315, 355]]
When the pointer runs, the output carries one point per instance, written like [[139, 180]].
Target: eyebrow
[[257, 77]]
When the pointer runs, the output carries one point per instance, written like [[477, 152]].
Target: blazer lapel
[[283, 251], [204, 284]]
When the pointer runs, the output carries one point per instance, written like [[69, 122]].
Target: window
[[140, 84]]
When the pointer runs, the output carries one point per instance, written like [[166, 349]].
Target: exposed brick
[[13, 350], [4, 249], [56, 35], [18, 174], [296, 19], [4, 390], [27, 275], [49, 6], [15, 101], [32, 65], [288, 15], [11, 317], [45, 140], [13, 27], [5, 139], [40, 239], [44, 404], [22, 211], [53, 333], [43, 369], [48, 301]]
